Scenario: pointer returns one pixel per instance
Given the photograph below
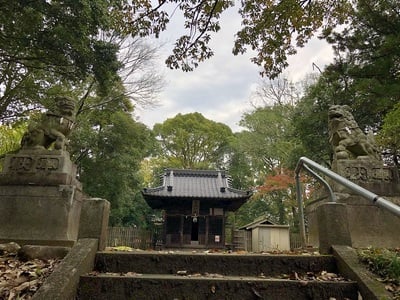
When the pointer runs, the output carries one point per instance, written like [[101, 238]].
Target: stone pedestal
[[40, 198], [368, 224], [333, 226]]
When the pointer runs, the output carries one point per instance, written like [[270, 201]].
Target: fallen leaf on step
[[213, 289], [182, 272]]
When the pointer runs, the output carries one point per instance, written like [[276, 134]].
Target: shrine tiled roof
[[178, 183]]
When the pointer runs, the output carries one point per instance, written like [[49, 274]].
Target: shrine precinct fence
[[130, 237], [146, 239]]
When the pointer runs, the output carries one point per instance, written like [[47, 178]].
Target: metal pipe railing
[[309, 165]]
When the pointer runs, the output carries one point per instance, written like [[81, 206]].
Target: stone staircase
[[166, 275]]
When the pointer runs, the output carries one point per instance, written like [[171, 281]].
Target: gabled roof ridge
[[195, 172]]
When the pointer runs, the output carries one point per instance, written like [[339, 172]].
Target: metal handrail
[[309, 165]]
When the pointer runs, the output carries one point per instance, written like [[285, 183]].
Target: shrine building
[[194, 204]]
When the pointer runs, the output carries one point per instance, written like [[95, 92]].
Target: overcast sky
[[220, 88]]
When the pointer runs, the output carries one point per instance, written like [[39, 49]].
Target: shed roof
[[211, 185], [261, 221]]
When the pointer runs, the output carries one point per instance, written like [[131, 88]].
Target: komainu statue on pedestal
[[346, 137], [53, 127]]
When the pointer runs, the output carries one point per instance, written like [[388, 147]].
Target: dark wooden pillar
[[223, 230], [181, 230], [207, 229], [164, 230]]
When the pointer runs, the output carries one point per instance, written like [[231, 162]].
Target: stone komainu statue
[[346, 137], [52, 128]]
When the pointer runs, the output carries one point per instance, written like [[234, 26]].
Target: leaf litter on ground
[[21, 279]]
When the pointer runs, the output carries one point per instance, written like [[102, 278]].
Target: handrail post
[[301, 211]]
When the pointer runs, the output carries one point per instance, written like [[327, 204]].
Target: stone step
[[185, 275], [224, 264], [161, 286]]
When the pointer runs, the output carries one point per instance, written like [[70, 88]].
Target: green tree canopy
[[367, 55], [109, 156], [10, 138], [310, 121], [275, 29], [191, 141], [55, 47], [61, 37], [389, 137], [268, 144], [266, 138], [48, 44]]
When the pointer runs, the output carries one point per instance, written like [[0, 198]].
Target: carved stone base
[[369, 174], [40, 198], [39, 167]]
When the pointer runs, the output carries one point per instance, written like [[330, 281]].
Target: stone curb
[[62, 284], [349, 265]]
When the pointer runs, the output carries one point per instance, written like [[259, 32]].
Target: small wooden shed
[[267, 236]]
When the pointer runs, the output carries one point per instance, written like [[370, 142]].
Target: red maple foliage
[[281, 180]]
